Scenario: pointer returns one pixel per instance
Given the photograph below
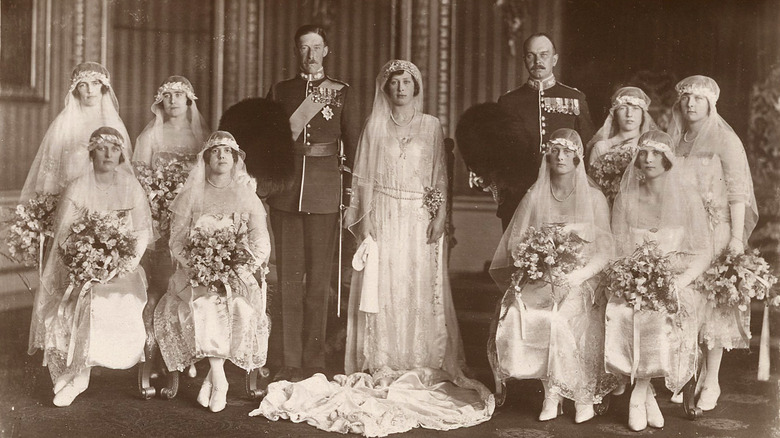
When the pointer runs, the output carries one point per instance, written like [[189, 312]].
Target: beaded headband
[[566, 144], [656, 145], [170, 87], [223, 138], [104, 140], [630, 100], [89, 75], [398, 65], [698, 90]]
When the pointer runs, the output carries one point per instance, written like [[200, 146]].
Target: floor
[[112, 407]]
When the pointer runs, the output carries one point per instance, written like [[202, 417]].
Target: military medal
[[327, 112]]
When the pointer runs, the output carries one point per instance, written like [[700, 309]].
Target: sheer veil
[[151, 138], [680, 204], [190, 201], [62, 155], [539, 207], [624, 96], [82, 194], [365, 174], [716, 137]]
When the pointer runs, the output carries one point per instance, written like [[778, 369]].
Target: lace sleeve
[[179, 230], [259, 238], [736, 169], [439, 178]]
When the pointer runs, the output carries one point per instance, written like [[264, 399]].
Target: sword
[[342, 208]]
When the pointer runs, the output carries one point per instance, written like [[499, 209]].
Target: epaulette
[[512, 90], [570, 88], [336, 80]]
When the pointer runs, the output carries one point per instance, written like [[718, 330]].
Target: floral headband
[[170, 87], [89, 75], [565, 143], [656, 145], [697, 89], [104, 140], [398, 65], [630, 100]]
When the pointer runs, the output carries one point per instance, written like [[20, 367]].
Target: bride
[[402, 328]]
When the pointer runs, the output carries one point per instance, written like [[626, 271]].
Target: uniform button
[[308, 134], [543, 132], [541, 92], [309, 125], [544, 124], [308, 143], [542, 118]]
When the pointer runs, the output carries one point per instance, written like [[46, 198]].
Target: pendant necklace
[[685, 137], [403, 141]]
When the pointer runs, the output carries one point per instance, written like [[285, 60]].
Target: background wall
[[469, 51]]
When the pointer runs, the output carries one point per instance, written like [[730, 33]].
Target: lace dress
[[561, 342], [101, 324], [192, 322], [719, 178], [412, 342], [665, 343]]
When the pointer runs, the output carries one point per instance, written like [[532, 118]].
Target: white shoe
[[204, 395], [218, 398], [709, 397], [654, 416], [551, 407], [584, 412], [637, 417], [192, 372], [66, 395], [621, 388], [677, 398]]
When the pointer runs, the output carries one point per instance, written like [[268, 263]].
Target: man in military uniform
[[305, 218], [542, 105]]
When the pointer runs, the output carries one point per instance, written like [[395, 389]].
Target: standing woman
[[714, 160], [404, 356], [63, 156], [193, 322], [177, 133], [79, 325], [178, 130], [556, 334], [628, 119], [654, 204]]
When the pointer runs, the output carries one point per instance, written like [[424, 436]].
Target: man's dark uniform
[[542, 107], [305, 218]]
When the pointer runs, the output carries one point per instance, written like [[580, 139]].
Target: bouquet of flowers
[[31, 223], [735, 279], [100, 246], [162, 183], [432, 200], [548, 251], [608, 170], [645, 277], [217, 250]]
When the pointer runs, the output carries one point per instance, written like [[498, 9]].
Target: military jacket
[[542, 107], [317, 183]]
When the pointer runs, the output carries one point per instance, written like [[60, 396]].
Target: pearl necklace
[[552, 190], [685, 137], [392, 117], [108, 186], [216, 186]]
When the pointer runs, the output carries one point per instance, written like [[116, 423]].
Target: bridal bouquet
[[548, 251], [645, 277], [99, 247], [29, 226], [608, 170], [735, 279], [217, 249], [162, 183], [432, 200]]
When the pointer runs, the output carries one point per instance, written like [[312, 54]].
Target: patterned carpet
[[111, 407]]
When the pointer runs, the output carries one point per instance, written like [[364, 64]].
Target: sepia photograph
[[411, 218]]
